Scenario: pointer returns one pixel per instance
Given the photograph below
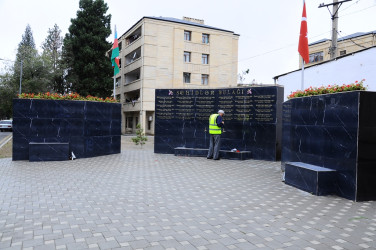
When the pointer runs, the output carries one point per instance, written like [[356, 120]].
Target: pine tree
[[84, 50], [52, 55], [34, 71]]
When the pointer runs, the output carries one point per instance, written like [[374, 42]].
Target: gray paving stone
[[138, 199]]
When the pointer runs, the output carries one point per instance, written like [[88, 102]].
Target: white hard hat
[[221, 111]]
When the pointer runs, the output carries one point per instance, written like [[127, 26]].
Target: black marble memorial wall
[[90, 128], [335, 131], [251, 119]]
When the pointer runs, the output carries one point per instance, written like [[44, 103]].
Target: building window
[[120, 45], [119, 63], [205, 38], [204, 79], [186, 77], [118, 82], [187, 35], [316, 57], [187, 56], [205, 59], [342, 52], [129, 122]]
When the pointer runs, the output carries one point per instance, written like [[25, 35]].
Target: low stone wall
[[90, 128], [335, 131]]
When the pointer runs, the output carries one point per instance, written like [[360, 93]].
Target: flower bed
[[311, 91], [71, 96]]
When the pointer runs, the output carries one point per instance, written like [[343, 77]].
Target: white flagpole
[[302, 84], [114, 76], [114, 87]]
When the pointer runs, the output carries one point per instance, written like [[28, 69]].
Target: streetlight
[[20, 72]]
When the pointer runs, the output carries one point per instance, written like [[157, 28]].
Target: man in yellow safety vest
[[216, 124]]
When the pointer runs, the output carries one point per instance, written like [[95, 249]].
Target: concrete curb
[[5, 140]]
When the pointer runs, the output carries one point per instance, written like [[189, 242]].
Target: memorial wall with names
[[251, 119]]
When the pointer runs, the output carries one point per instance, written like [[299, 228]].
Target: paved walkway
[[142, 200]]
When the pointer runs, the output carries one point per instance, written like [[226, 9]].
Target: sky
[[269, 30]]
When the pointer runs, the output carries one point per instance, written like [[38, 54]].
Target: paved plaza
[[141, 200]]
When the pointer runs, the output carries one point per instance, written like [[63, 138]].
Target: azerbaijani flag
[[303, 38], [115, 55]]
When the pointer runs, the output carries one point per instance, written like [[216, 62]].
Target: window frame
[[186, 55], [203, 78], [205, 59], [205, 38], [187, 34], [186, 74], [316, 57]]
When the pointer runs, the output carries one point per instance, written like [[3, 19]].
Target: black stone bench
[[313, 179], [203, 152], [48, 151]]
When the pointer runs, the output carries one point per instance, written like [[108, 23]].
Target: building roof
[[323, 62], [176, 20], [357, 34]]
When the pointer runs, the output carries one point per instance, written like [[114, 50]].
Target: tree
[[34, 69], [89, 71], [7, 93], [52, 55], [140, 138]]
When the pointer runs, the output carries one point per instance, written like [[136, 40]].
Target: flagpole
[[302, 83], [114, 87], [114, 74]]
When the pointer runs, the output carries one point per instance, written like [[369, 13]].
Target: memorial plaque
[[251, 119], [335, 131]]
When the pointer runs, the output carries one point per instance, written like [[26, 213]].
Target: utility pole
[[334, 17]]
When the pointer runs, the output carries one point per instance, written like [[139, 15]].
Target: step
[[203, 152], [311, 178], [48, 151]]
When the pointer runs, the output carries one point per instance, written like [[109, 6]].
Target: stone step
[[311, 178], [48, 151], [203, 152]]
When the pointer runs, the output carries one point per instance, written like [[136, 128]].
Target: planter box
[[90, 128], [338, 132]]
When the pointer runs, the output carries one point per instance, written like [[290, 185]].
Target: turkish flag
[[303, 38]]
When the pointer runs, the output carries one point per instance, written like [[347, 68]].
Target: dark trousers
[[215, 144]]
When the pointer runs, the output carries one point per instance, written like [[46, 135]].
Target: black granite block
[[77, 146], [203, 152], [336, 131], [20, 148], [21, 108], [242, 155], [95, 127], [48, 151], [313, 179], [199, 152], [73, 122], [251, 115]]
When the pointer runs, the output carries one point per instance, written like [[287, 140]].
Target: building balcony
[[132, 106], [133, 65], [132, 86], [133, 46]]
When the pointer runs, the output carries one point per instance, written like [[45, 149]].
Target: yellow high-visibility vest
[[213, 127]]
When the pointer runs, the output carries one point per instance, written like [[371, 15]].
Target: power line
[[352, 41], [351, 13], [350, 6], [241, 60]]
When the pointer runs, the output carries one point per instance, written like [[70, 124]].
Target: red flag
[[303, 38]]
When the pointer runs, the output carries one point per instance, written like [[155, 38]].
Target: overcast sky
[[269, 30]]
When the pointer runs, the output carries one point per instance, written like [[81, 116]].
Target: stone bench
[[310, 178], [203, 152], [48, 151]]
